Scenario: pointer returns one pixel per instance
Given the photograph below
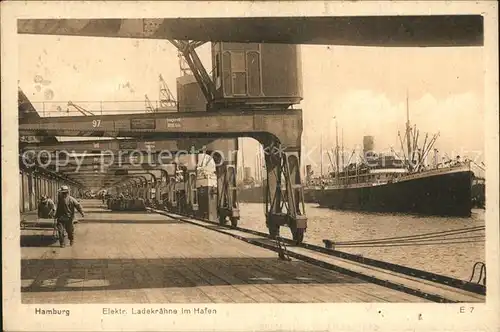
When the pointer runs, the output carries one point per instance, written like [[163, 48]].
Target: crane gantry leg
[[284, 192], [227, 200], [284, 196], [191, 192]]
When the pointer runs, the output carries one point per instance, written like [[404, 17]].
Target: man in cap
[[65, 214], [46, 208]]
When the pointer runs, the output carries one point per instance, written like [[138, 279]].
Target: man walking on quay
[[65, 214]]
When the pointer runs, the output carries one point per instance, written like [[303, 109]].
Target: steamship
[[388, 183], [442, 191]]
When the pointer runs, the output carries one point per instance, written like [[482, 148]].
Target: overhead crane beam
[[100, 167], [385, 31], [145, 154], [142, 145], [94, 183], [265, 126], [279, 131], [94, 176], [38, 169], [84, 173], [105, 161]]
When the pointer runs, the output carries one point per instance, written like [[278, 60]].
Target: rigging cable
[[418, 236], [408, 244]]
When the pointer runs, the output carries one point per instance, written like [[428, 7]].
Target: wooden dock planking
[[349, 292], [240, 276], [150, 258], [200, 274], [416, 283], [346, 291], [331, 289]]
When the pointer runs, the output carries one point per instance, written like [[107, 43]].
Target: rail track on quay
[[427, 285]]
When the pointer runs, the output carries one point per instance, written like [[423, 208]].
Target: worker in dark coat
[[46, 208], [65, 214]]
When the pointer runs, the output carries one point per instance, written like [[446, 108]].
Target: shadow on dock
[[98, 211], [37, 240], [120, 274], [132, 221]]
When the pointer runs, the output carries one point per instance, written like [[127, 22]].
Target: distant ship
[[248, 194], [251, 194], [391, 188], [311, 194], [386, 183], [442, 191], [478, 193]]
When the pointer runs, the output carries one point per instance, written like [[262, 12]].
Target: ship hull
[[256, 195], [310, 195], [446, 194], [251, 195]]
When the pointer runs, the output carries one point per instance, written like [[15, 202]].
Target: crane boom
[[149, 106], [187, 49]]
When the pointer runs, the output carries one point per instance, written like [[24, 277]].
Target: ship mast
[[337, 147], [321, 156], [408, 132], [343, 163]]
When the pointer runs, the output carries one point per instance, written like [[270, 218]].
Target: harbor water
[[450, 255]]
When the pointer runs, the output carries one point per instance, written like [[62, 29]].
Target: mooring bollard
[[329, 244]]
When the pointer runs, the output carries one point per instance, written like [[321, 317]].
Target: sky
[[364, 88]]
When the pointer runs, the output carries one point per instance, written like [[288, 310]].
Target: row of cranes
[[166, 102], [246, 85]]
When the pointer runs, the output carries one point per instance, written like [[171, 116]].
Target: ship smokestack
[[368, 144]]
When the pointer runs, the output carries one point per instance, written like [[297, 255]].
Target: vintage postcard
[[250, 166]]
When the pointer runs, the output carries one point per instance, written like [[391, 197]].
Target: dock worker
[[65, 215], [123, 203], [46, 208]]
